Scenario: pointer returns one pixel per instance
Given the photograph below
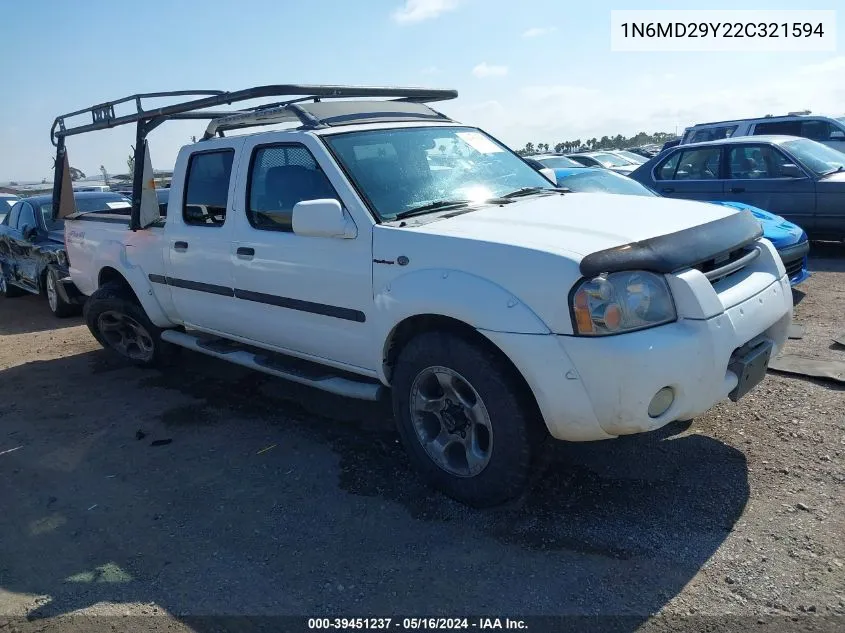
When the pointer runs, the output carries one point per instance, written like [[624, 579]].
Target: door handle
[[668, 190], [180, 246], [245, 252], [737, 189]]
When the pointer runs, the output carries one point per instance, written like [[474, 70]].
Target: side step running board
[[293, 369]]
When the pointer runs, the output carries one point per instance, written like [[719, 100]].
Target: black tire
[[7, 290], [112, 301], [58, 306], [517, 430]]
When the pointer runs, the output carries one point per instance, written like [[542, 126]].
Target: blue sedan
[[797, 178], [789, 239]]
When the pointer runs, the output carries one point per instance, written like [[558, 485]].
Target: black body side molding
[[671, 252]]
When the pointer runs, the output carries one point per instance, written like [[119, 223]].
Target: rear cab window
[[207, 188]]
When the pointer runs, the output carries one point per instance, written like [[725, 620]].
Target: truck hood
[[575, 223], [56, 236]]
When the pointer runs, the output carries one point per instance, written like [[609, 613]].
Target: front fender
[[476, 301]]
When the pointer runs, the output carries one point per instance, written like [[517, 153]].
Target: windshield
[[611, 160], [558, 162], [634, 158], [113, 203], [396, 170], [603, 181], [818, 158]]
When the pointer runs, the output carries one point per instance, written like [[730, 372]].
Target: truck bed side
[[101, 246]]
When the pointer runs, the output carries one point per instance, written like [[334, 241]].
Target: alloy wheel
[[126, 336], [451, 421]]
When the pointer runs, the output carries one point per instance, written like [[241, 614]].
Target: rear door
[[757, 175], [691, 173], [198, 235]]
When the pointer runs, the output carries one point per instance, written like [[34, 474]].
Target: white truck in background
[[493, 308]]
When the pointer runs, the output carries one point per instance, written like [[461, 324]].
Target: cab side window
[[713, 134], [757, 161], [280, 176], [699, 164], [26, 220], [207, 188], [14, 214], [788, 128]]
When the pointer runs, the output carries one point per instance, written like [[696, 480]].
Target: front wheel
[[119, 324], [58, 306], [8, 291], [465, 419]]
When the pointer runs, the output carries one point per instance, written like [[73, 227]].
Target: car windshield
[[558, 162], [604, 181], [611, 160], [113, 203], [818, 158], [399, 170], [634, 158]]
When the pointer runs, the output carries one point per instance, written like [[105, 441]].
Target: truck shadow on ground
[[609, 528]]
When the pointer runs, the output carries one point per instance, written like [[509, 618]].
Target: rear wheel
[[465, 419], [58, 306], [119, 323]]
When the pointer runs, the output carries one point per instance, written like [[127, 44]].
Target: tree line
[[605, 142]]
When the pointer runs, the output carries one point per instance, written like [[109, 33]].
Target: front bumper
[[598, 388], [794, 258], [68, 291]]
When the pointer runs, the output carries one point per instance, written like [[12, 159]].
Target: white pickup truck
[[380, 247]]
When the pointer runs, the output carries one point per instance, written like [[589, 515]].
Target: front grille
[[720, 267], [793, 268]]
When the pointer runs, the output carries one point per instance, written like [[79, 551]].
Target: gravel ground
[[272, 499]]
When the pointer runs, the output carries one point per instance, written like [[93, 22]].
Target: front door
[[307, 295], [765, 177], [199, 240], [691, 174]]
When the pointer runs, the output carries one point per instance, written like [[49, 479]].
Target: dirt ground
[[268, 499]]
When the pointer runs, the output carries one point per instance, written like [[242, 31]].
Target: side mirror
[[322, 218], [791, 171], [29, 232]]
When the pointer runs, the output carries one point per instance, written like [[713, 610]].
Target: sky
[[538, 70]]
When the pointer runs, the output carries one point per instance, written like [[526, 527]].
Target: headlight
[[621, 302]]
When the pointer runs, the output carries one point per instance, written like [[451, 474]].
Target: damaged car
[[33, 258]]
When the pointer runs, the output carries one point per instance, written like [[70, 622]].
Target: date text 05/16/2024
[[417, 624]]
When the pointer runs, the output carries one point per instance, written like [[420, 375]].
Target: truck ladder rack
[[103, 116]]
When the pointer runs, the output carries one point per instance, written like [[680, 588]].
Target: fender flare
[[470, 299], [114, 256]]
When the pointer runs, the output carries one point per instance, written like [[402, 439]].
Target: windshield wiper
[[440, 205], [833, 171], [528, 191]]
